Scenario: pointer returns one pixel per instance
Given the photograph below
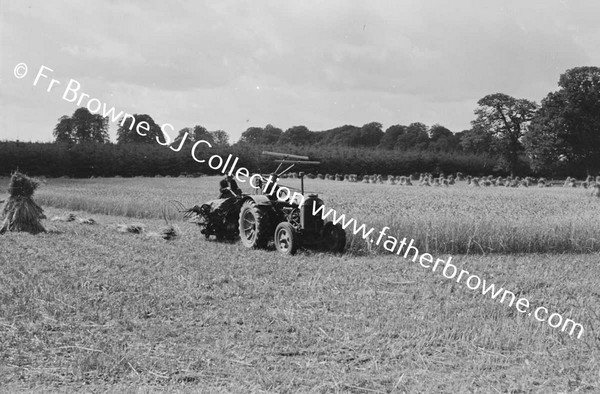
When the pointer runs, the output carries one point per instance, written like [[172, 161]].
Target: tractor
[[261, 218]]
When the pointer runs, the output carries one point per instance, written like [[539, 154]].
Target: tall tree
[[63, 132], [388, 141], [141, 129], [220, 137], [201, 133], [192, 135], [271, 134], [252, 135], [438, 131], [181, 134], [268, 135], [371, 134], [441, 139], [415, 137], [82, 126], [545, 141], [297, 135], [506, 119], [476, 142], [347, 135], [566, 130]]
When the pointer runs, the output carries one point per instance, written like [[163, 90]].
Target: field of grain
[[457, 219], [89, 309]]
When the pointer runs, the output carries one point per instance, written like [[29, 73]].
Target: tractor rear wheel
[[253, 225], [286, 238], [335, 238]]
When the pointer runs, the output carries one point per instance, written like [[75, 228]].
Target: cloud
[[322, 64]]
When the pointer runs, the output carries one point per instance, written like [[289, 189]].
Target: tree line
[[562, 135], [508, 136], [142, 159]]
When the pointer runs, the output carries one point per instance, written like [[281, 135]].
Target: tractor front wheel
[[253, 225], [286, 238]]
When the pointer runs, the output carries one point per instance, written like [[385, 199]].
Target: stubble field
[[89, 309]]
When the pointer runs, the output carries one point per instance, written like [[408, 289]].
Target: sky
[[231, 65]]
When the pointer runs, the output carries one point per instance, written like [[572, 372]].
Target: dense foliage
[[85, 160], [505, 119], [565, 133], [81, 127]]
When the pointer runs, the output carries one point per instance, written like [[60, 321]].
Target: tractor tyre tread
[[262, 237]]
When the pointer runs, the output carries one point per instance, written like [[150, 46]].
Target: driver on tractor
[[228, 188]]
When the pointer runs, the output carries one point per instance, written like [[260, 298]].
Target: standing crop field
[[456, 219]]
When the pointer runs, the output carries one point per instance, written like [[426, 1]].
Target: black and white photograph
[[300, 196]]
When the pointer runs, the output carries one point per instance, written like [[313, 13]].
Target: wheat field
[[456, 219]]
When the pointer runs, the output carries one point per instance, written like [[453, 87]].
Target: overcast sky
[[231, 65]]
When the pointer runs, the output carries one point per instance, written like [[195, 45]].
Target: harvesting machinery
[[261, 218]]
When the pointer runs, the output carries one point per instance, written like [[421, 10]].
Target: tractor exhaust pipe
[[301, 174]]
